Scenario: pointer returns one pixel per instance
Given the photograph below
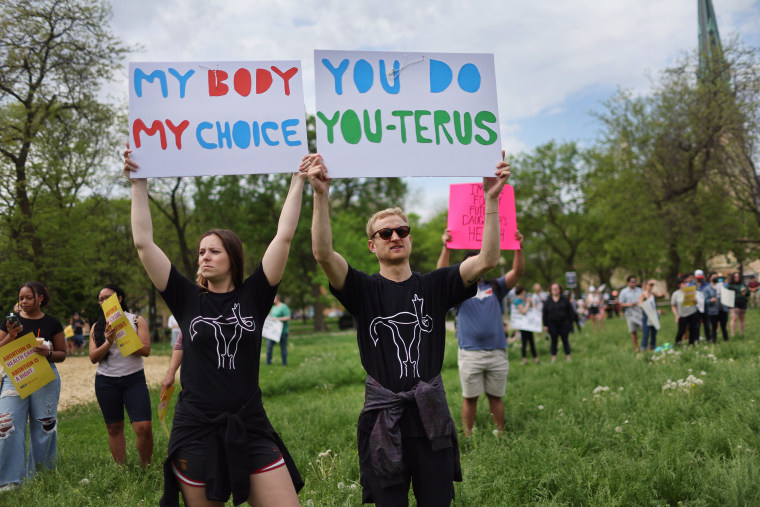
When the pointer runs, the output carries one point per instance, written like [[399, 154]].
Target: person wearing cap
[[702, 284], [754, 296], [629, 299]]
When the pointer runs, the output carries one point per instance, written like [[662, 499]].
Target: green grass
[[633, 444]]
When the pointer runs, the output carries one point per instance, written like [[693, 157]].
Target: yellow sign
[[126, 336], [68, 331], [27, 369], [689, 295], [163, 405]]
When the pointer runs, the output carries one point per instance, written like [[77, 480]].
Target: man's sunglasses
[[387, 233]]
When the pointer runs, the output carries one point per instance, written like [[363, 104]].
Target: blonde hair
[[382, 214]]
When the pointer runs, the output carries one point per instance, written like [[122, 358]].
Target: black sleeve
[[348, 296], [177, 288], [262, 293]]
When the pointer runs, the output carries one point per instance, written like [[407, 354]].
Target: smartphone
[[12, 319]]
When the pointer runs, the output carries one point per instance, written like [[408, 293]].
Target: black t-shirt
[[221, 340], [45, 327], [401, 326], [78, 325]]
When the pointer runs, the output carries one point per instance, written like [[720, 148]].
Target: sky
[[556, 61]]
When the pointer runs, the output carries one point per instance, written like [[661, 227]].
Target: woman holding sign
[[221, 440], [120, 381], [40, 408]]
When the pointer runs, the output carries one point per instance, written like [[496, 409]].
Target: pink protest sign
[[467, 210]]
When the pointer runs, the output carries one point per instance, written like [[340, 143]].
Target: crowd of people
[[222, 443]]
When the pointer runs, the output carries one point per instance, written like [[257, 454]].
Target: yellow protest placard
[[27, 370], [163, 405], [126, 337], [68, 331], [689, 295]]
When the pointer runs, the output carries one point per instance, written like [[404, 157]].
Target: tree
[[550, 202], [53, 56], [664, 152]]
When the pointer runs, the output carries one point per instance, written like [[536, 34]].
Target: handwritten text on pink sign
[[467, 210]]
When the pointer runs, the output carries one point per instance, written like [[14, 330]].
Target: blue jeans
[[646, 330], [283, 349], [40, 409]]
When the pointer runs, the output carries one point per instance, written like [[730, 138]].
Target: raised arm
[[476, 266], [518, 266], [443, 259], [332, 263], [153, 259], [276, 255]]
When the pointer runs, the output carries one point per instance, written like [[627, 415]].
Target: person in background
[[40, 409], [75, 344], [594, 305], [754, 296], [713, 308], [741, 293], [629, 301], [482, 358], [558, 317], [648, 330], [523, 303], [701, 283], [120, 381], [685, 312], [174, 327], [281, 312]]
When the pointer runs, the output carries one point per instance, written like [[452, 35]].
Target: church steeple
[[709, 38]]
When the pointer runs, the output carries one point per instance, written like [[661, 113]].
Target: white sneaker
[[9, 487]]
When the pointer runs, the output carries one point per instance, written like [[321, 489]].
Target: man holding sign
[[405, 431], [483, 360]]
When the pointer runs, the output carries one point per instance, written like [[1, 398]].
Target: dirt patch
[[78, 378]]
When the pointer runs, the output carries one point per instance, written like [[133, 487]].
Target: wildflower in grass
[[341, 485], [84, 481], [618, 429], [353, 487], [540, 407], [682, 385], [621, 388], [325, 453], [495, 432], [309, 503], [601, 389], [703, 373]]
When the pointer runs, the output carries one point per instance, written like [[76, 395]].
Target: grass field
[[601, 430]]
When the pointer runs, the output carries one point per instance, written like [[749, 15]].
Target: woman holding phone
[[40, 409]]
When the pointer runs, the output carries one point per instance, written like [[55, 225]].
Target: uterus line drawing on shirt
[[226, 346], [406, 329]]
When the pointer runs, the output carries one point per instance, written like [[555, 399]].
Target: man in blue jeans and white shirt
[[483, 359]]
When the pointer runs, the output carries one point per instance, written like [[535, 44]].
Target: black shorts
[[189, 463], [593, 310], [117, 393], [78, 340]]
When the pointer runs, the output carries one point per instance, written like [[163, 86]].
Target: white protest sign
[[727, 297], [272, 329], [406, 114], [206, 118], [653, 317], [700, 301], [530, 321]]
